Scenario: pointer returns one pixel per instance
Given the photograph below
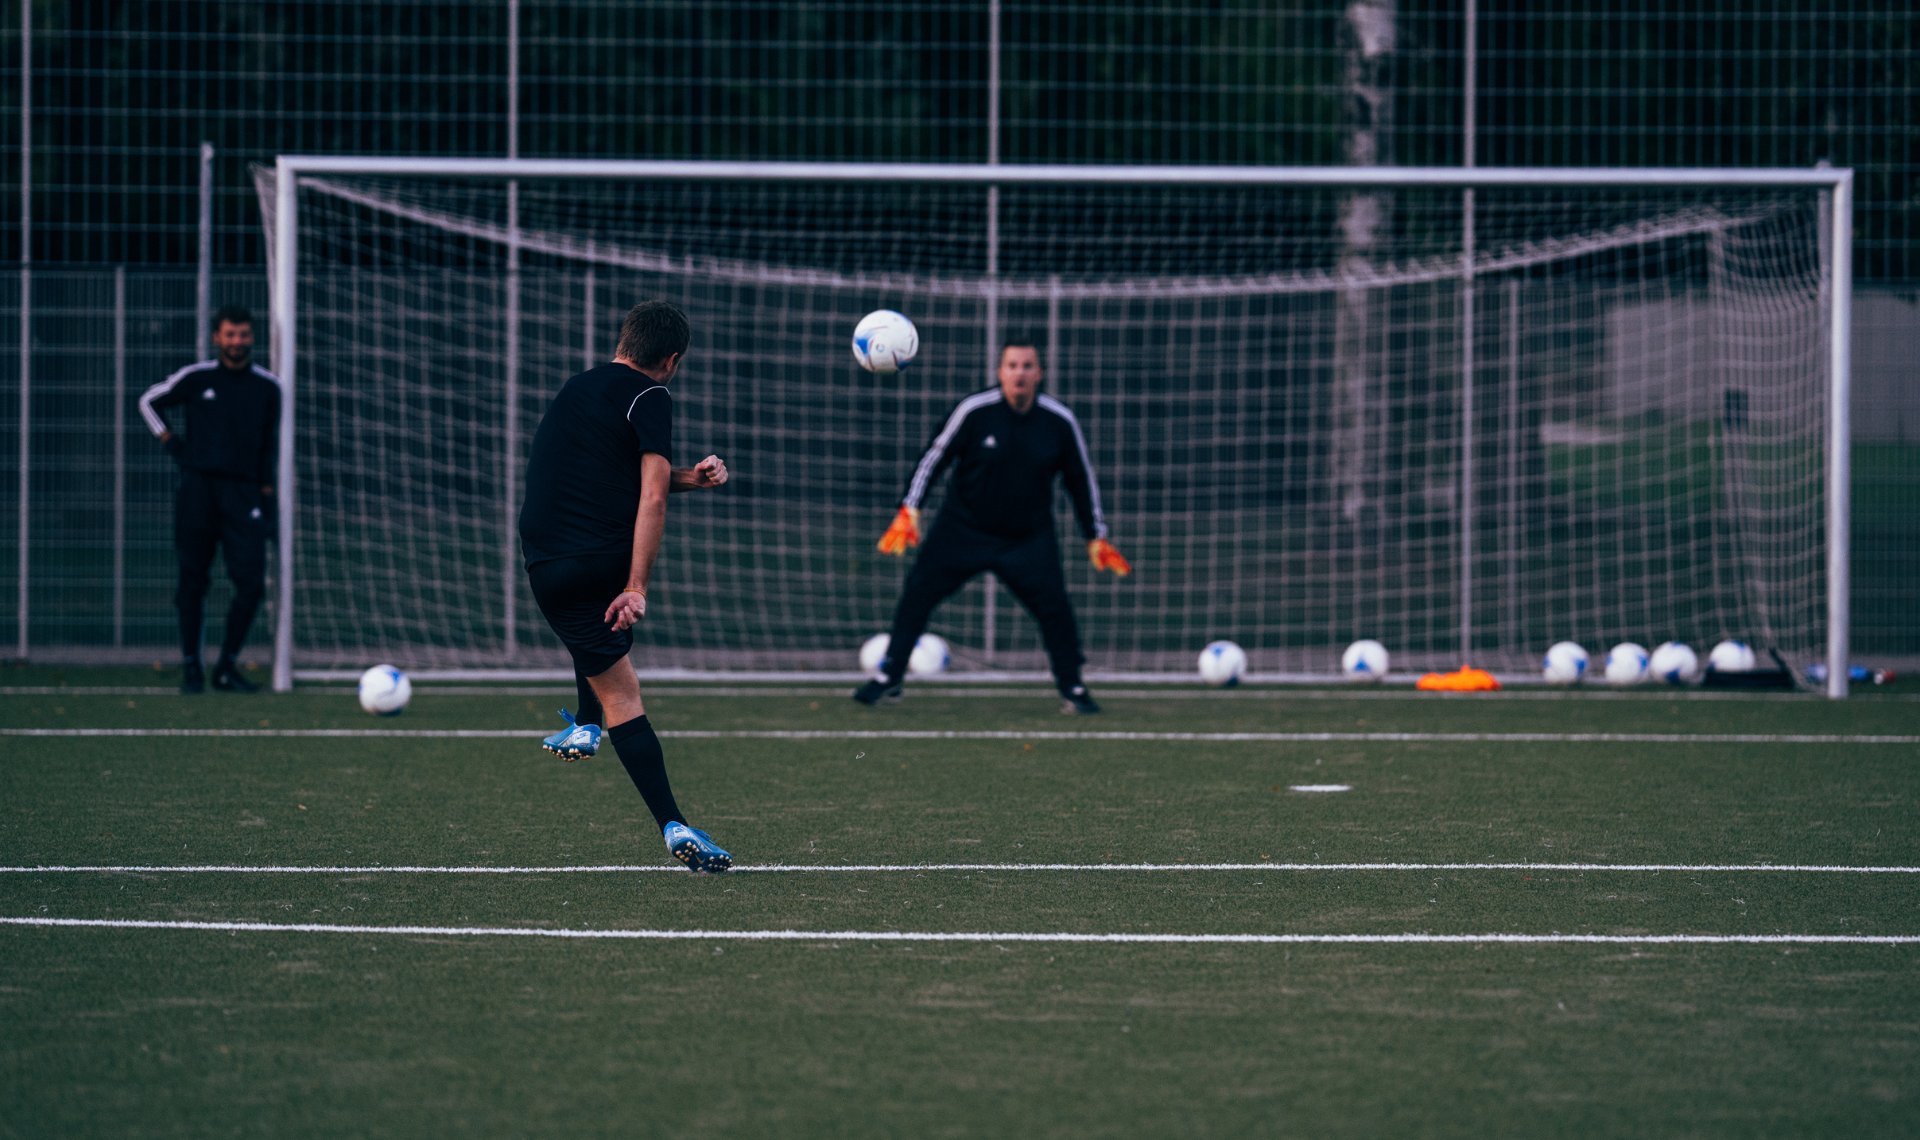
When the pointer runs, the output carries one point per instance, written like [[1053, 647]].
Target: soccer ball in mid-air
[[930, 655], [1566, 664], [884, 342], [384, 690], [1732, 657], [1222, 663], [1364, 660], [1673, 663], [1627, 664]]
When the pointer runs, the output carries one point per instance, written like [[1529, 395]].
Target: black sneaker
[[879, 693], [227, 679], [1077, 702], [191, 679]]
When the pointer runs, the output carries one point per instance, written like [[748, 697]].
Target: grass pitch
[[748, 1030]]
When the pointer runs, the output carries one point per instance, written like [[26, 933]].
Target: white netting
[[1270, 380]]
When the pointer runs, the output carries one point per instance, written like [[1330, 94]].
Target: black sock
[[639, 750], [589, 711]]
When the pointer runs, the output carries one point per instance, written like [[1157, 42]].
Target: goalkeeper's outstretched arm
[[1084, 489], [904, 531]]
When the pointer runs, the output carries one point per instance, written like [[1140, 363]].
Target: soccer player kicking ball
[[595, 510], [1005, 446]]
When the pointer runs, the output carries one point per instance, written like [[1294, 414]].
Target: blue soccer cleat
[[574, 741], [695, 849]]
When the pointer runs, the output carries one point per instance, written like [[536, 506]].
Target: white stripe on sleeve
[[1093, 484], [917, 490], [154, 422]]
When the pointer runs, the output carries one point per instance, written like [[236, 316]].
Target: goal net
[[1317, 413]]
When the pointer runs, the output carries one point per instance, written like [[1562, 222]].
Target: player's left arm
[[649, 524], [1084, 490], [709, 472]]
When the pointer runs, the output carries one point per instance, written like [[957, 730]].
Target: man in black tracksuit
[[227, 448], [1005, 445]]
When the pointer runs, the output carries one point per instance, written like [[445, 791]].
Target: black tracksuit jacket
[[1004, 464], [230, 419]]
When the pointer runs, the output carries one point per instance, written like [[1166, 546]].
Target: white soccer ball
[[884, 342], [1732, 657], [1673, 663], [1222, 663], [873, 653], [1627, 664], [1566, 664], [1364, 660], [384, 690], [930, 656]]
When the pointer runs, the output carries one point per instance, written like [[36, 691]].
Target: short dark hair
[[232, 315], [1019, 340], [653, 331]]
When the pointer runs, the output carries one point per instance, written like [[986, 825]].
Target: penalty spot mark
[[1320, 788]]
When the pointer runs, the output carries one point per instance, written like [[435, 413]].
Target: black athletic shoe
[[227, 679], [191, 679], [1077, 702], [878, 693]]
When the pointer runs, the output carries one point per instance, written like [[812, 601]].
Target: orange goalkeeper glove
[[904, 532], [1101, 553]]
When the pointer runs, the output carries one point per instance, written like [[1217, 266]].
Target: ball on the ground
[[1222, 663], [930, 656], [1627, 664], [1364, 660], [873, 653], [1731, 657], [1673, 663], [1566, 664], [884, 342], [385, 690]]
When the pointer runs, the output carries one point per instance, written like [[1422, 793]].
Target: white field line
[[968, 936], [936, 734], [1010, 692], [806, 868]]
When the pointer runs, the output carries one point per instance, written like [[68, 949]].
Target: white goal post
[[1433, 254]]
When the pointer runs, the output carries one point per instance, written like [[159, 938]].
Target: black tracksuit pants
[[953, 554], [210, 510]]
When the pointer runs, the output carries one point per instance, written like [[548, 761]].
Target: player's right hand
[[904, 532], [628, 607]]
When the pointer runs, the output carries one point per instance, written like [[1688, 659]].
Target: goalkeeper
[[1005, 446]]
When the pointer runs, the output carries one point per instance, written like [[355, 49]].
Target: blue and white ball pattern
[[385, 691], [884, 342]]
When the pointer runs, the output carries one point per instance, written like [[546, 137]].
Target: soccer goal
[[1465, 412]]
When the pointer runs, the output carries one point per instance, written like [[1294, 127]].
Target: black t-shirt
[[583, 481]]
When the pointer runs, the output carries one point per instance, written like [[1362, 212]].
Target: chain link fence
[[122, 94]]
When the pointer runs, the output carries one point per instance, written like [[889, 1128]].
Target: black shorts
[[573, 595]]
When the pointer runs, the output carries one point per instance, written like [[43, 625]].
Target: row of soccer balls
[[1630, 664], [1223, 662], [385, 690]]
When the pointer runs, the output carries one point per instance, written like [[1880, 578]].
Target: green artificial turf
[[145, 1032]]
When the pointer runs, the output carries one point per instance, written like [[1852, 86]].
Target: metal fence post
[[26, 309], [203, 284], [120, 455], [510, 425]]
